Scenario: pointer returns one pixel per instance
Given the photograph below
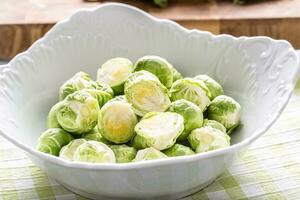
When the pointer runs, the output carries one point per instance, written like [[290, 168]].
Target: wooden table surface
[[23, 22]]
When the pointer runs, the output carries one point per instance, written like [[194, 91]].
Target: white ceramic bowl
[[259, 72]]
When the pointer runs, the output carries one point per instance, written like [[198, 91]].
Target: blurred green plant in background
[[161, 3], [164, 3]]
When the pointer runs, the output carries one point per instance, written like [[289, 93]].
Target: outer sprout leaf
[[176, 75], [214, 124], [178, 150], [124, 153], [51, 119], [67, 152], [192, 114], [225, 110], [149, 154], [213, 86], [157, 66], [52, 140], [94, 152], [191, 90], [79, 113], [79, 81], [207, 139]]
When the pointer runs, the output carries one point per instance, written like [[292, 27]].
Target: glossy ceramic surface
[[259, 72]]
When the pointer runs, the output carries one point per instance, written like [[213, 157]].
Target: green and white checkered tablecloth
[[270, 169]]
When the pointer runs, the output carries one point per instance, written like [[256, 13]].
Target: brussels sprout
[[52, 140], [79, 81], [157, 66], [67, 152], [178, 150], [115, 72], [192, 114], [123, 153], [149, 154], [116, 121], [94, 152], [145, 92], [79, 113], [225, 110], [176, 75], [95, 135], [158, 130], [103, 87], [101, 96], [214, 124], [207, 139], [192, 90], [51, 119], [213, 86]]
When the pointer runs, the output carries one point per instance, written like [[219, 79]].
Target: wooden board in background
[[23, 22]]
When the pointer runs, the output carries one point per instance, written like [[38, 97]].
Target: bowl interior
[[258, 72]]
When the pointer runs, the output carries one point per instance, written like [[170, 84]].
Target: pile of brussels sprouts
[[137, 112]]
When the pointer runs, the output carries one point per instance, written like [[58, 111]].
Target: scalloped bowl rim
[[144, 164]]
